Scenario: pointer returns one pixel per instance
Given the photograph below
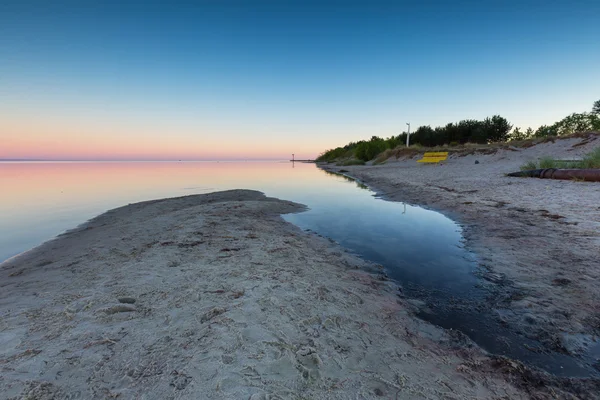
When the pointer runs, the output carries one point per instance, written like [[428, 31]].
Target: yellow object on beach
[[434, 157]]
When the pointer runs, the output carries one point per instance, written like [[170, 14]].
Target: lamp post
[[408, 135]]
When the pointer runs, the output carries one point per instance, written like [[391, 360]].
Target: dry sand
[[538, 240], [216, 297]]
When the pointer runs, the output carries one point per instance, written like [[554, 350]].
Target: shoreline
[[535, 240], [216, 294]]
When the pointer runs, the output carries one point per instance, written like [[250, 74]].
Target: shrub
[[573, 123], [545, 131], [350, 162], [547, 162], [424, 135], [338, 152], [367, 151], [529, 165], [529, 133], [592, 160], [577, 123], [517, 135], [596, 107], [494, 129]]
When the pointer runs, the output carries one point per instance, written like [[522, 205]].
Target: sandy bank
[[538, 241], [216, 297]]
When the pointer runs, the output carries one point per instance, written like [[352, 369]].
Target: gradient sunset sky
[[264, 79]]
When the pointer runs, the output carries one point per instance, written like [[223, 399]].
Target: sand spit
[[216, 297], [538, 241]]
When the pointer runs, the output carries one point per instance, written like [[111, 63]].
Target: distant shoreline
[[115, 161]]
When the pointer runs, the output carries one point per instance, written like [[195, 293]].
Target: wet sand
[[537, 241], [217, 297]]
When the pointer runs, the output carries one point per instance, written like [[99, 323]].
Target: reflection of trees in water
[[349, 179], [358, 184]]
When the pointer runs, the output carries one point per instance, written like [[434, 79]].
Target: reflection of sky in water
[[41, 200], [415, 244]]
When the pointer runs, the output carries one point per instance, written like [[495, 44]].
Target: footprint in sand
[[309, 362], [126, 300]]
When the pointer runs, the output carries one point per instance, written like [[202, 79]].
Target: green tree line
[[489, 130]]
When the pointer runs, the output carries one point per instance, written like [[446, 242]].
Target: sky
[[193, 80]]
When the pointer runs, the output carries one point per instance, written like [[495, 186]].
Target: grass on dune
[[591, 160], [547, 162], [529, 165], [347, 163]]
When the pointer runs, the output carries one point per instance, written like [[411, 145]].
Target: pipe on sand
[[588, 175]]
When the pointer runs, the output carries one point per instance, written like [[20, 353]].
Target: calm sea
[[42, 199]]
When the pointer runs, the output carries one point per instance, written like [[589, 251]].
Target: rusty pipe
[[588, 175]]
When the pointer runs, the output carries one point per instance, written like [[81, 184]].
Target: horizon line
[[143, 160]]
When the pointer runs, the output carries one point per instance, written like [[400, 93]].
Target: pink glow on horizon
[[49, 134], [54, 136], [112, 147]]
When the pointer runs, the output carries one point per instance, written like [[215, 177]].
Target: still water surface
[[421, 249], [41, 200]]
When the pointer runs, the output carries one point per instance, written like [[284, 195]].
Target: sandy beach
[[537, 240], [223, 200], [217, 297]]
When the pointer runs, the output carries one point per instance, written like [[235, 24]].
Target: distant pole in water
[[408, 135], [293, 159]]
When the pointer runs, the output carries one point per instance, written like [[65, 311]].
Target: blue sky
[[268, 78]]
